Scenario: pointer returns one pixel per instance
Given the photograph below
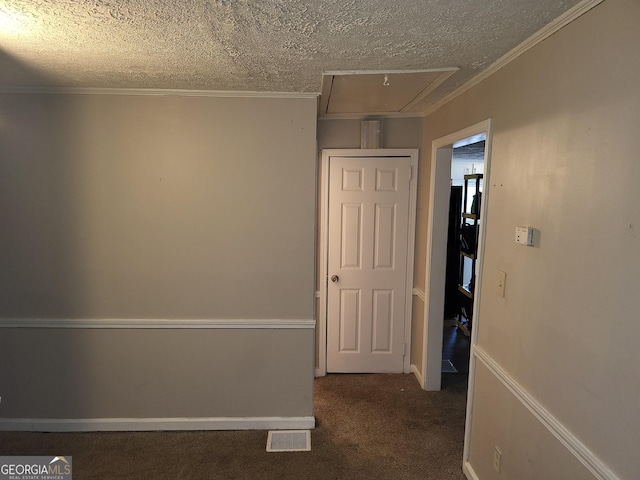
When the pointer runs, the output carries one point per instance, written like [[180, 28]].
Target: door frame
[[436, 248], [323, 244]]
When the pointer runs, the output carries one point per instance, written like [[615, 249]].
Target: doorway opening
[[367, 238], [436, 248], [467, 175]]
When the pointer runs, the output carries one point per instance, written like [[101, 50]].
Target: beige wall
[[396, 133], [149, 373], [529, 450], [566, 119], [151, 207], [417, 333], [157, 207]]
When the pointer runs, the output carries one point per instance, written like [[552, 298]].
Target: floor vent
[[289, 441], [447, 367]]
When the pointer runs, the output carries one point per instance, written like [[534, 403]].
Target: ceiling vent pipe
[[371, 134]]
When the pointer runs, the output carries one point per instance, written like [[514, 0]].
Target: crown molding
[[157, 92], [542, 34]]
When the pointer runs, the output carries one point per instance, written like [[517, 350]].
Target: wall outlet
[[524, 236], [502, 281], [497, 459]]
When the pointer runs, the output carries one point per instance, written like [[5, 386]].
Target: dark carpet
[[368, 427]]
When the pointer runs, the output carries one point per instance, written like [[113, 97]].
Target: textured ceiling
[[254, 45]]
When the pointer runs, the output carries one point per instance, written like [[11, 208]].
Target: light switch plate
[[502, 281]]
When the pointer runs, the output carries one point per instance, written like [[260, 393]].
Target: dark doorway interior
[[467, 166]]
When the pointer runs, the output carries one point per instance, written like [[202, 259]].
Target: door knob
[[335, 278]]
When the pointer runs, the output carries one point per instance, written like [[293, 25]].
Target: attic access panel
[[365, 93]]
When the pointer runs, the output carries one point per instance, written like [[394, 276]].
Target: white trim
[[420, 294], [411, 249], [155, 323], [154, 424], [469, 472], [484, 214], [436, 248], [416, 373], [321, 330], [371, 152], [585, 456], [413, 154], [542, 34], [368, 115], [389, 72], [435, 268], [428, 89], [157, 92]]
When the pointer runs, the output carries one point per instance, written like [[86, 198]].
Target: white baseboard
[[468, 471], [419, 293], [155, 424], [418, 375]]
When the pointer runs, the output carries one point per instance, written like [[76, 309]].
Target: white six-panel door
[[368, 222]]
